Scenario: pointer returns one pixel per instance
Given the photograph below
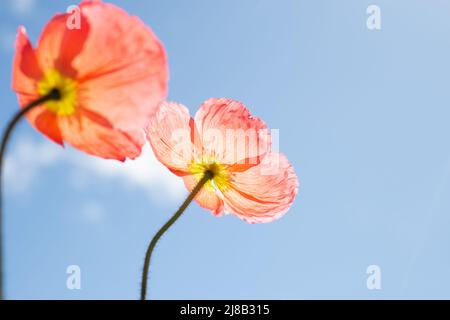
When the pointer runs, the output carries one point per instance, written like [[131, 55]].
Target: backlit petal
[[169, 133], [89, 134], [230, 134], [263, 193], [26, 70], [122, 67], [206, 198], [47, 123], [58, 45]]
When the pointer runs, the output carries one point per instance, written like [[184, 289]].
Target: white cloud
[[22, 7], [145, 172], [22, 166], [27, 161]]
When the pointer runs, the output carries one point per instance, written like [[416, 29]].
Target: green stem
[[207, 176], [52, 95]]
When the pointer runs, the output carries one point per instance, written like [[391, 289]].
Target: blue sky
[[363, 116]]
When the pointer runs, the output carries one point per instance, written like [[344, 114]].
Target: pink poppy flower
[[111, 74], [249, 180]]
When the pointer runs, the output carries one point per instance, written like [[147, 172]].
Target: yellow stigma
[[220, 173], [67, 88]]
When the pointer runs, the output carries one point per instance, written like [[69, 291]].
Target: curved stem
[[52, 95], [207, 176]]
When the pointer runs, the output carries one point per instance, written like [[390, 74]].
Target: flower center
[[220, 176], [67, 88]]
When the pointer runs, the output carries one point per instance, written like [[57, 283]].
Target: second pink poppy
[[249, 180]]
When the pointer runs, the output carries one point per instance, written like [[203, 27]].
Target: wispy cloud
[[27, 160], [23, 164], [145, 173]]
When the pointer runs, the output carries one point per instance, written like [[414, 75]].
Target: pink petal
[[169, 133], [47, 123], [89, 134], [25, 74], [263, 193], [59, 45], [206, 198], [230, 135], [26, 70], [122, 67]]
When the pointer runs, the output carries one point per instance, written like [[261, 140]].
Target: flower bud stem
[[52, 95], [208, 175]]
